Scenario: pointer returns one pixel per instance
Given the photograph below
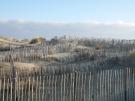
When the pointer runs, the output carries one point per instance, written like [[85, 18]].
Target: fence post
[[125, 84], [94, 84], [74, 97], [13, 79]]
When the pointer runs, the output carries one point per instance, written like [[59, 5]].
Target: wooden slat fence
[[77, 81], [97, 85]]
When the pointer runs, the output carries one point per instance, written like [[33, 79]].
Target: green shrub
[[132, 54]]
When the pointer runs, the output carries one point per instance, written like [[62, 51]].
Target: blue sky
[[68, 10], [47, 18]]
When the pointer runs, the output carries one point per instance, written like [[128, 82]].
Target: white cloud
[[24, 29]]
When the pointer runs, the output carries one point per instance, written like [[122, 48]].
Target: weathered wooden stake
[[13, 79], [125, 84]]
